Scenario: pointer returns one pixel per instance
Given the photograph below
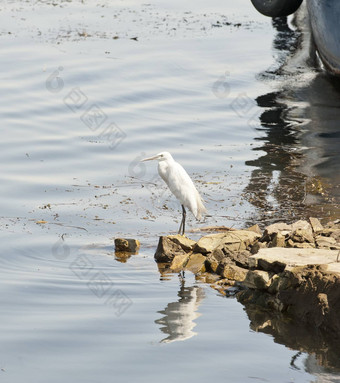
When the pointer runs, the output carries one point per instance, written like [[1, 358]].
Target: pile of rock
[[302, 235], [225, 254], [290, 268], [228, 253]]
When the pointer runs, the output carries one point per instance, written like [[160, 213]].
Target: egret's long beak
[[149, 159]]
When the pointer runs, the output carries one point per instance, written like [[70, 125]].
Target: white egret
[[181, 185]]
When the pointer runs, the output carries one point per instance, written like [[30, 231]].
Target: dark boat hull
[[276, 8], [324, 17]]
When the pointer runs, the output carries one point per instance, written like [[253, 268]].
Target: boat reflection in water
[[298, 174], [179, 317]]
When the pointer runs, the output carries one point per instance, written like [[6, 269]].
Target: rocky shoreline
[[290, 269]]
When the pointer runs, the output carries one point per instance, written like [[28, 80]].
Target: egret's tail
[[200, 208]]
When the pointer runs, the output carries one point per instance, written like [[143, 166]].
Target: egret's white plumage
[[180, 184]]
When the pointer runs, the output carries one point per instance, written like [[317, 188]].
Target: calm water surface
[[89, 88]]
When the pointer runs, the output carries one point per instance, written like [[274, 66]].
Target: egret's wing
[[181, 185]]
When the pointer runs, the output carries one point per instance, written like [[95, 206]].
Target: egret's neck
[[163, 167]]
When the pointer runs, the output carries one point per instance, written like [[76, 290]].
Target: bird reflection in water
[[179, 317]]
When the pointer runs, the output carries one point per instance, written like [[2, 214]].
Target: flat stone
[[238, 240], [277, 258], [196, 263], [334, 267], [277, 228], [235, 240], [257, 279], [127, 245], [186, 243], [208, 243], [316, 225], [178, 262]]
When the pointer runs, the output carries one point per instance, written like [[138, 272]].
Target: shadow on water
[[298, 174], [323, 350]]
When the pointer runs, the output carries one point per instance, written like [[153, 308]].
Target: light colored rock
[[257, 279], [304, 245], [235, 240], [302, 225], [302, 235], [208, 243], [334, 267], [239, 240], [277, 228], [299, 245], [256, 229], [178, 262], [127, 245], [233, 272], [326, 242], [186, 243], [316, 225], [327, 232], [277, 258], [331, 232], [196, 263]]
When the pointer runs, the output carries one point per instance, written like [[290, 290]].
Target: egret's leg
[[184, 216], [182, 225]]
